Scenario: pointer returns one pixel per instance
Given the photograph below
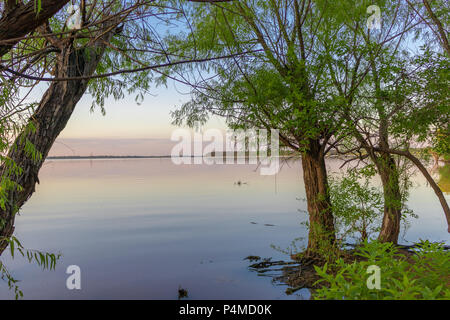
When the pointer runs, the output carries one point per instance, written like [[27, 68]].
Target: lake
[[141, 228]]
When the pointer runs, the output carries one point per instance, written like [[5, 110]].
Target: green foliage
[[424, 109], [37, 6], [12, 125], [441, 142], [444, 178], [6, 276], [282, 81], [10, 169], [45, 260], [422, 275], [357, 206]]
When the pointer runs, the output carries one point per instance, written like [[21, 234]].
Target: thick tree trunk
[[20, 19], [321, 223], [390, 228], [48, 121], [427, 176]]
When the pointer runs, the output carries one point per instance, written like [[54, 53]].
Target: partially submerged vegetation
[[421, 271]]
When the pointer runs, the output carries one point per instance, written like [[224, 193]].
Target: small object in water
[[269, 225], [266, 262], [206, 261], [182, 293], [253, 222], [290, 291], [240, 183], [253, 258]]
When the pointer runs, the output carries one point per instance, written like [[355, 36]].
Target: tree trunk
[[20, 19], [433, 184], [321, 223], [390, 227], [46, 123], [441, 29], [427, 176]]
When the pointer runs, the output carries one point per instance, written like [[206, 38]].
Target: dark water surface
[[139, 229]]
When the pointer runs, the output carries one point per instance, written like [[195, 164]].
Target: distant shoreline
[[104, 157], [127, 157]]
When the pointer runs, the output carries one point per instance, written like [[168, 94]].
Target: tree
[[116, 44], [284, 85], [51, 116], [318, 75], [399, 103]]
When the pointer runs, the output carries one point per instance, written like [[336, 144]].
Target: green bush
[[425, 274], [357, 206]]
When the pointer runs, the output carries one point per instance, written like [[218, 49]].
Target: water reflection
[[143, 229]]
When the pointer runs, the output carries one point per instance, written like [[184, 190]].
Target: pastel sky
[[127, 128]]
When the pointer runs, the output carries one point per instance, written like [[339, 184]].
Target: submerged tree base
[[300, 272], [420, 271]]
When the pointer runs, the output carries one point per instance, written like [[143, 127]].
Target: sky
[[127, 128]]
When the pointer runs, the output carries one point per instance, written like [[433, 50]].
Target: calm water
[[141, 228]]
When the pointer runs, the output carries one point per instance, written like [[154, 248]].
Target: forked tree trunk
[[321, 223], [390, 228], [407, 154], [48, 120]]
